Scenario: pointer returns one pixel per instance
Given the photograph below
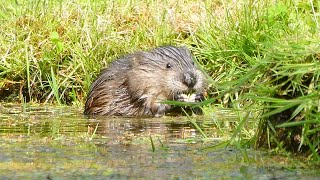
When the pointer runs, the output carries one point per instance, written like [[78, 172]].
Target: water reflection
[[61, 143], [127, 129]]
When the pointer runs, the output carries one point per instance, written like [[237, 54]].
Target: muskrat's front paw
[[161, 109], [199, 97]]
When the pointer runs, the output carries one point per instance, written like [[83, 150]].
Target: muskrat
[[136, 84]]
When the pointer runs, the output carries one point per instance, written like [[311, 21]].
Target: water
[[60, 143]]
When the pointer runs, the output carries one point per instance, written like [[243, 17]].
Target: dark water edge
[[60, 143]]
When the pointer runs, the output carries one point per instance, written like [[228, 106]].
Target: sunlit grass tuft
[[264, 56], [76, 39]]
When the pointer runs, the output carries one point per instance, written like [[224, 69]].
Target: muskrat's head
[[165, 72]]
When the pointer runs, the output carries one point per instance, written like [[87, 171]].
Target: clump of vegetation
[[261, 57], [266, 56], [52, 50]]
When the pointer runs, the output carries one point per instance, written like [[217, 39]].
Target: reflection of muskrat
[[136, 84]]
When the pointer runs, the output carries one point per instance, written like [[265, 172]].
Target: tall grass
[[261, 57], [76, 39], [265, 55]]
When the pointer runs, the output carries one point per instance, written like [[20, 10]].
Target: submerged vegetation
[[261, 57]]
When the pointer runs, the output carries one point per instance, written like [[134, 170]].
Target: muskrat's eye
[[169, 66], [192, 63]]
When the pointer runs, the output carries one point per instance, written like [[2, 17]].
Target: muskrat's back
[[136, 84]]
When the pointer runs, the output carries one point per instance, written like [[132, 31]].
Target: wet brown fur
[[136, 84]]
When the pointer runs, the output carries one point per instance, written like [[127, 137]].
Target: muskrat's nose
[[189, 79]]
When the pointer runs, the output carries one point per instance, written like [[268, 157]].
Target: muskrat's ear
[[136, 59]]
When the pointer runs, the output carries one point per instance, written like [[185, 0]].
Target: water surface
[[60, 143]]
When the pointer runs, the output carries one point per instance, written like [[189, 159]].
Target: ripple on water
[[50, 142]]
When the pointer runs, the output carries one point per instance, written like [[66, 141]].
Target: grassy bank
[[262, 57], [266, 56], [52, 51]]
